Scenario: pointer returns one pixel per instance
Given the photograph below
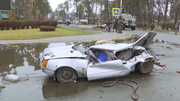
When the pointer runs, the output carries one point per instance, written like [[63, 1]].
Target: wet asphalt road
[[37, 86]]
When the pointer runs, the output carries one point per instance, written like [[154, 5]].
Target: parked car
[[83, 21], [68, 63], [67, 21], [60, 21]]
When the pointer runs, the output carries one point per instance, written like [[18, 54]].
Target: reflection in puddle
[[25, 55], [7, 56], [54, 89]]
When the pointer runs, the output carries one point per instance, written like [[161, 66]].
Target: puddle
[[54, 89], [23, 59], [33, 81]]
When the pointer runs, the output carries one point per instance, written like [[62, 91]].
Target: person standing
[[152, 27], [176, 28], [117, 25]]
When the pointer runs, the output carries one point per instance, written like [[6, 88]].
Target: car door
[[107, 69]]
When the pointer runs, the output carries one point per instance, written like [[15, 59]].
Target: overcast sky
[[55, 3]]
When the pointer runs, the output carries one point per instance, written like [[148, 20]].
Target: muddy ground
[[37, 86]]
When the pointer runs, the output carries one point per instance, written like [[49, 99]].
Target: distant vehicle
[[128, 22], [68, 63], [67, 21], [60, 21], [83, 21]]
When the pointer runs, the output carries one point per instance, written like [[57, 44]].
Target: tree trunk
[[137, 11], [166, 9], [176, 10], [149, 14], [107, 12]]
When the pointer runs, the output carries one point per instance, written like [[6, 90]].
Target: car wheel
[[133, 28], [64, 75], [145, 67]]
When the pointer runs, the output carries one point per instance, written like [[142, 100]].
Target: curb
[[119, 39], [123, 38]]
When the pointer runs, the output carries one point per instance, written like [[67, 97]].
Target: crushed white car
[[68, 63]]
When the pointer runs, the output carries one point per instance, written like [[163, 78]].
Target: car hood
[[62, 52], [113, 47]]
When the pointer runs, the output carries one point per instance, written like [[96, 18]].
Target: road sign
[[116, 11]]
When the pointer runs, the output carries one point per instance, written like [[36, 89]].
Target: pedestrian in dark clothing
[[152, 27]]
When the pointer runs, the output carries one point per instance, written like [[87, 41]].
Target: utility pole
[[120, 18], [107, 13]]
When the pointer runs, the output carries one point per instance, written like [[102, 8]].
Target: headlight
[[49, 54], [44, 63]]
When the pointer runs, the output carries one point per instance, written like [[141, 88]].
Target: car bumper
[[48, 72]]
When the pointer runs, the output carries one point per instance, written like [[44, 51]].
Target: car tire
[[145, 67], [65, 75], [133, 28]]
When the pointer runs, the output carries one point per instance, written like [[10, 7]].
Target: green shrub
[[167, 25], [18, 24], [2, 27], [22, 24], [54, 23], [35, 24], [14, 24], [7, 24], [47, 28], [27, 24], [40, 23]]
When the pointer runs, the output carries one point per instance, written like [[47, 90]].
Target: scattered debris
[[104, 41], [12, 77], [160, 55], [166, 47], [159, 41], [158, 69], [101, 96], [100, 91], [162, 65], [159, 64]]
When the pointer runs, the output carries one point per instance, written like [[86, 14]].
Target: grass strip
[[37, 34]]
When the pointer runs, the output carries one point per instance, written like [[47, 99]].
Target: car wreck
[[68, 63]]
